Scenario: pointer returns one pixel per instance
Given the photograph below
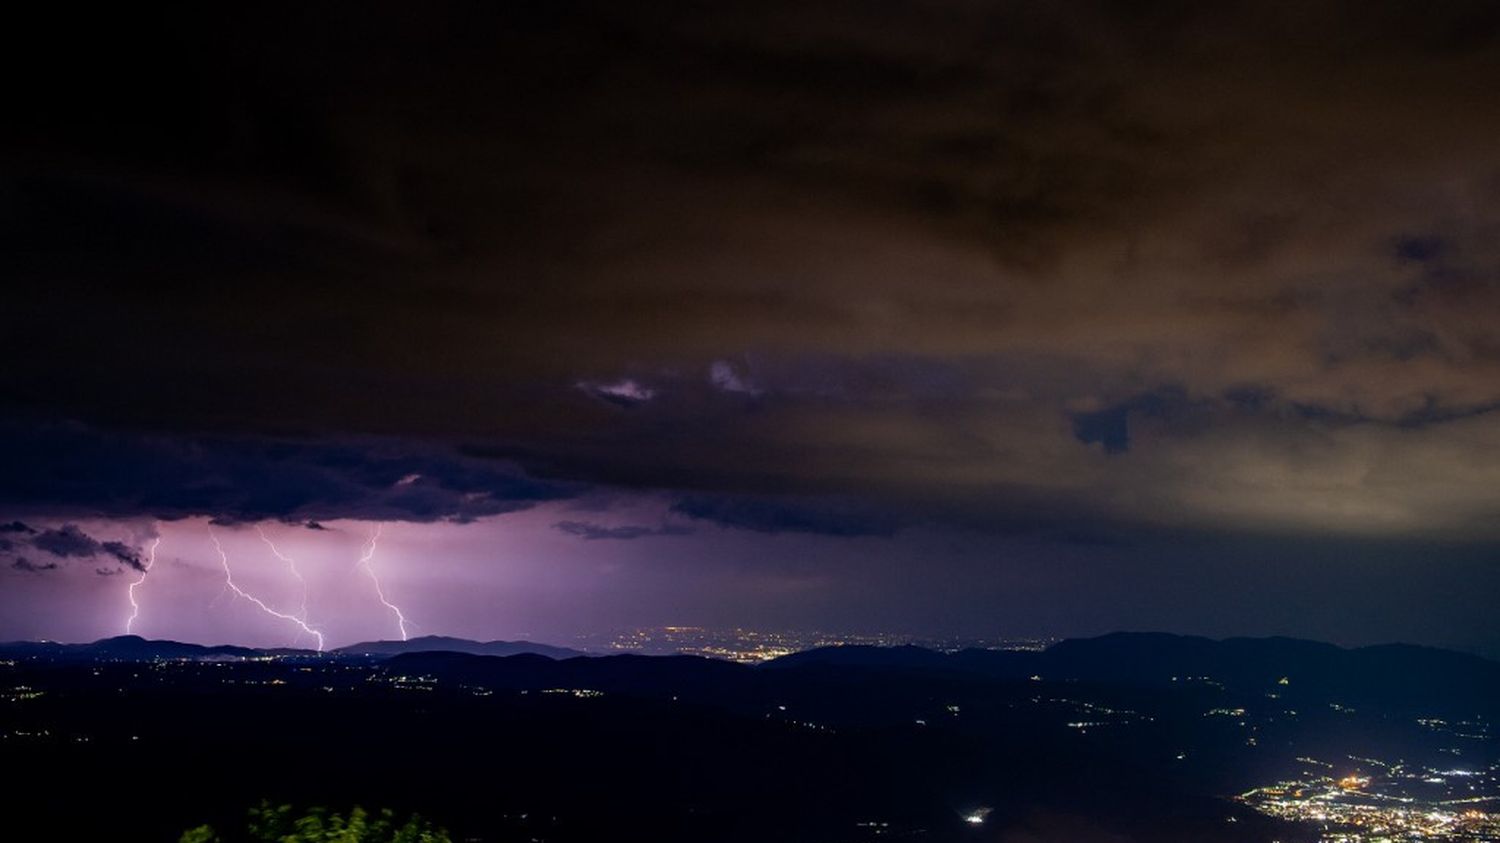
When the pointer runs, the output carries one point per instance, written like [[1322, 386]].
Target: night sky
[[950, 318]]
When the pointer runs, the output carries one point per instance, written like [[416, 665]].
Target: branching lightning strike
[[239, 592], [364, 561], [291, 565], [135, 608]]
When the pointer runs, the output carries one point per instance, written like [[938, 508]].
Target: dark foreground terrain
[[1121, 738]]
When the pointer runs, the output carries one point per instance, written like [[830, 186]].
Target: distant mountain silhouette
[[1129, 732], [128, 648], [443, 643], [1393, 675], [136, 648]]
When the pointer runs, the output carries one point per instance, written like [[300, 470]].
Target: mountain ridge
[[135, 647], [1397, 676], [444, 643]]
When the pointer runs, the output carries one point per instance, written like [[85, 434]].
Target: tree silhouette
[[283, 824]]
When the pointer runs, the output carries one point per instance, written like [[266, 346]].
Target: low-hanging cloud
[[72, 468], [66, 541], [69, 541], [594, 532], [788, 515]]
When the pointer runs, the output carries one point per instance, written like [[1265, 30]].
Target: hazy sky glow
[[519, 576], [951, 318]]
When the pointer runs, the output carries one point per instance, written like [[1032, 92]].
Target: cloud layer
[[1082, 265], [63, 469]]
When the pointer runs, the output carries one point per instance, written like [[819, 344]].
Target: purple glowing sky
[[519, 576]]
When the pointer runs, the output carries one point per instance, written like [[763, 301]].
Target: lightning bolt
[[291, 565], [135, 608], [364, 562], [239, 592]]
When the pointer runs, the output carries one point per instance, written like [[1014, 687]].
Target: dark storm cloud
[[770, 515], [594, 532], [77, 469], [16, 527], [948, 247], [128, 556], [66, 541], [21, 563], [70, 541]]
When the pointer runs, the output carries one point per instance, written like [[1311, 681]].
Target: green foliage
[[282, 824]]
